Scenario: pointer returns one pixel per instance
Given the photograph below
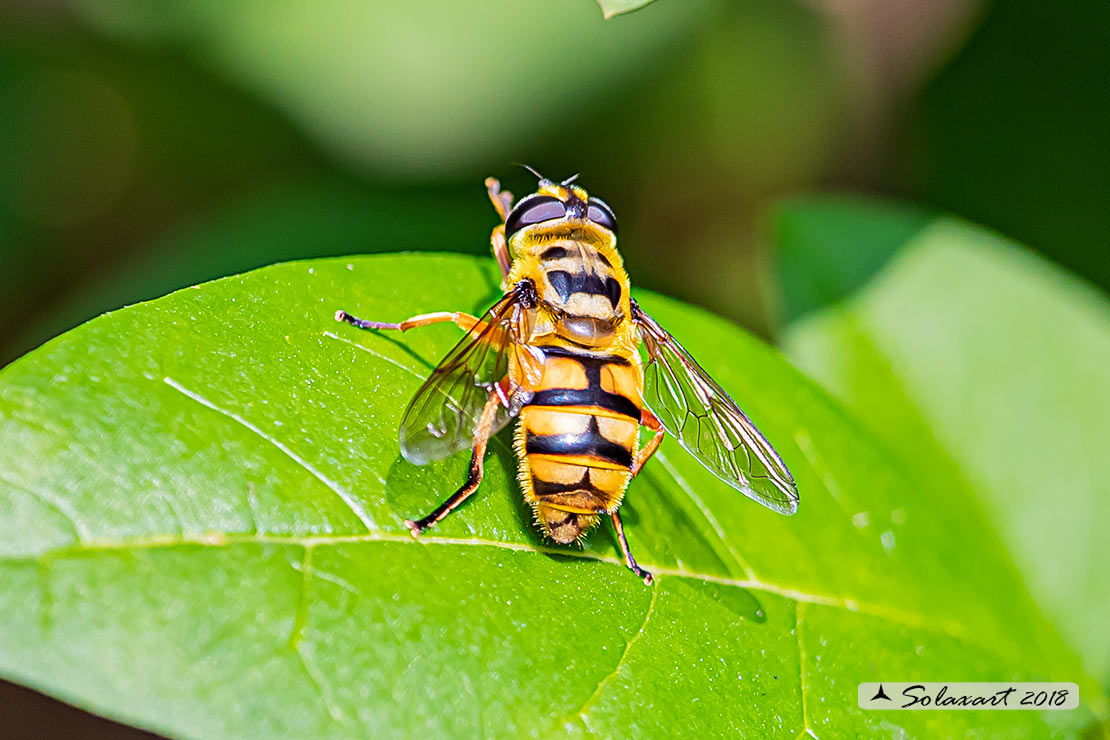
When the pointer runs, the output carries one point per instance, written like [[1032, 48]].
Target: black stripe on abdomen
[[588, 444], [579, 445], [593, 396], [547, 488]]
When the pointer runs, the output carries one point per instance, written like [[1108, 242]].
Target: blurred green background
[[148, 147]]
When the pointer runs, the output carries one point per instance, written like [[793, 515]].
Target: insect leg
[[473, 479], [628, 559], [464, 320], [649, 420], [503, 202], [502, 199], [500, 251]]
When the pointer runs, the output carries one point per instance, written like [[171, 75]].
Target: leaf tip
[[611, 9]]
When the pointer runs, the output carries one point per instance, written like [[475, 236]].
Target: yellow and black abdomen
[[577, 439]]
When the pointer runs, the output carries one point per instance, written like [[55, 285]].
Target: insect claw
[[342, 315], [559, 355]]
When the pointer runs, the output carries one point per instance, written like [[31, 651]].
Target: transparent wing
[[709, 424], [445, 414]]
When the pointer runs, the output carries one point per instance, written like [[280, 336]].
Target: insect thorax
[[582, 285]]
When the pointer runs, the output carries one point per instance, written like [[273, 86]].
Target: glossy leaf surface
[[201, 506], [985, 369]]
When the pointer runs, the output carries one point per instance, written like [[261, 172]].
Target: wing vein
[[707, 422]]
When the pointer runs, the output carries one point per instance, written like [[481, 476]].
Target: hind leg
[[628, 559], [473, 479], [649, 421]]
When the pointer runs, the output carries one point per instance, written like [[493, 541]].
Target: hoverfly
[[561, 350]]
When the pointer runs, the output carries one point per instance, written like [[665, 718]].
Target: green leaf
[[201, 505], [615, 7], [827, 247], [985, 369]]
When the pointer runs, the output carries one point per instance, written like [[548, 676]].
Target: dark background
[[146, 150], [144, 147]]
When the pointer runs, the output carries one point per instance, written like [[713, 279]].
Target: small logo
[[966, 695], [880, 694]]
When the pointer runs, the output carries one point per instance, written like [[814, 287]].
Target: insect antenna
[[570, 179], [543, 180]]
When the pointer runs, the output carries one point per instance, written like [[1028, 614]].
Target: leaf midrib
[[86, 545], [800, 598], [220, 539]]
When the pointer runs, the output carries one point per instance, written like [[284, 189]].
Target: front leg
[[464, 320], [502, 201]]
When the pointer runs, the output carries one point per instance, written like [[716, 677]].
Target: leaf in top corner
[[615, 7]]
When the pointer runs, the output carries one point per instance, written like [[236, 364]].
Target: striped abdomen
[[577, 439]]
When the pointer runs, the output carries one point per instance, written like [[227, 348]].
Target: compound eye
[[533, 210], [601, 214]]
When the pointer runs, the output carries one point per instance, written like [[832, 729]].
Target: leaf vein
[[347, 499], [802, 658], [585, 708], [218, 539], [320, 683], [315, 676], [56, 503], [706, 512], [305, 567]]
